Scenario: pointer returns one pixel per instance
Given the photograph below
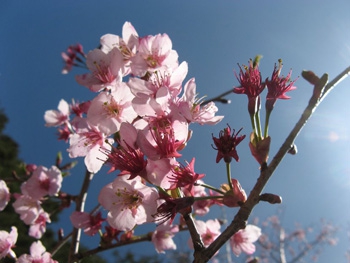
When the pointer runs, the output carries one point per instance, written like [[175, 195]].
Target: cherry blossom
[[90, 223], [71, 57], [57, 118], [109, 110], [7, 242], [278, 86], [43, 182], [154, 52], [162, 237], [127, 44], [226, 144], [4, 195], [88, 142], [38, 227], [193, 111], [129, 202], [251, 85], [28, 208], [243, 240], [38, 254], [208, 231], [106, 69], [185, 176]]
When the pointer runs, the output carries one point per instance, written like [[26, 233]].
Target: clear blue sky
[[212, 36]]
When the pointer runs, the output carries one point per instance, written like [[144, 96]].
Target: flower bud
[[260, 149]]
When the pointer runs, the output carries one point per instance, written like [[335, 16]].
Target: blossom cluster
[[137, 124]]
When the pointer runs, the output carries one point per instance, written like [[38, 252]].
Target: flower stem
[[258, 126], [210, 187], [267, 119], [228, 171]]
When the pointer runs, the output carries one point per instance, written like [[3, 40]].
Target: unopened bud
[[293, 150], [271, 198], [310, 76]]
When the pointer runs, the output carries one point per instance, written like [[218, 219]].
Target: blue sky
[[212, 37]]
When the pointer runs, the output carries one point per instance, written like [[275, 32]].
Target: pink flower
[[208, 231], [226, 144], [109, 110], [7, 242], [43, 182], [57, 118], [88, 142], [28, 208], [127, 45], [129, 202], [168, 209], [243, 240], [72, 58], [185, 176], [90, 223], [4, 195], [154, 52], [38, 254], [106, 69], [162, 237], [163, 137], [193, 111], [233, 197], [278, 86], [251, 85], [38, 227]]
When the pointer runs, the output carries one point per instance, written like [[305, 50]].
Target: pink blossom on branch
[[38, 227], [91, 224], [7, 242], [162, 237], [278, 86], [4, 195], [57, 118], [43, 182], [243, 240], [38, 254], [129, 202]]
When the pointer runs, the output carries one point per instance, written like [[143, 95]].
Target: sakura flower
[[38, 227], [208, 231], [251, 85], [162, 237], [109, 110], [106, 69], [243, 240], [87, 142], [163, 137], [28, 208], [127, 44], [129, 202], [185, 176], [154, 52], [278, 86], [168, 209], [233, 197], [90, 223], [38, 254], [73, 56], [226, 144], [191, 109], [43, 182], [7, 242], [57, 118], [4, 195]]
